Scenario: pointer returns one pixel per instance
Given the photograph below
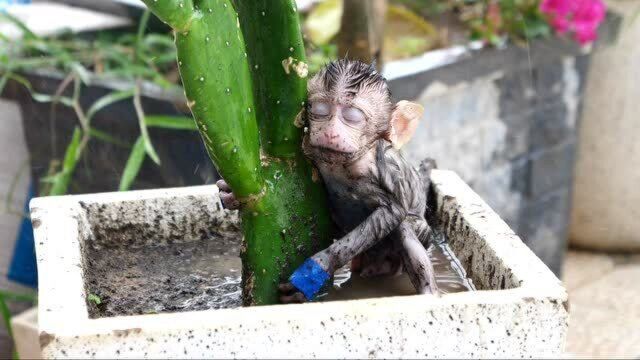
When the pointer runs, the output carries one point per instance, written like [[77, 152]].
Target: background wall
[[606, 209]]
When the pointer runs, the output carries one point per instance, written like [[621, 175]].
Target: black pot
[[48, 130]]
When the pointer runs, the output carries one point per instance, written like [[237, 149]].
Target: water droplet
[[227, 90], [277, 101], [235, 149], [207, 39], [227, 43], [263, 13], [286, 138], [180, 63], [249, 109], [306, 129], [302, 103], [284, 231], [225, 4], [255, 66], [181, 5], [185, 33], [291, 49], [210, 10], [201, 78], [245, 54]]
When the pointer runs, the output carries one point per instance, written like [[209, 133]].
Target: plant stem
[[278, 65]]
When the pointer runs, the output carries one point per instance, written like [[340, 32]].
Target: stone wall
[[505, 121]]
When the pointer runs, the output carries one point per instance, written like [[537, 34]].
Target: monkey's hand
[[227, 197], [305, 283]]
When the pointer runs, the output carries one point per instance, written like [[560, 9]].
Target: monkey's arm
[[312, 275]]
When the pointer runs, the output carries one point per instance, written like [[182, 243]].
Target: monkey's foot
[[387, 267]]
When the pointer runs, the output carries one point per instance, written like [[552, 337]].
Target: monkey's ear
[[404, 121]]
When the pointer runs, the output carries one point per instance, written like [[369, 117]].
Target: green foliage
[[6, 313], [496, 21], [245, 100], [95, 298], [133, 164], [136, 57]]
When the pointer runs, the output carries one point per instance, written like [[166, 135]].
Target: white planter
[[521, 310], [26, 334]]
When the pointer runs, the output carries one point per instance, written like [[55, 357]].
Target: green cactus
[[252, 136]]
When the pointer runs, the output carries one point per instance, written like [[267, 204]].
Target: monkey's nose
[[331, 136]]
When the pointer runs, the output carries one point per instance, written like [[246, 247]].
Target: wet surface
[[205, 274], [195, 275], [449, 273]]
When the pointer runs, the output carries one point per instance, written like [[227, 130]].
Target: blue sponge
[[309, 278]]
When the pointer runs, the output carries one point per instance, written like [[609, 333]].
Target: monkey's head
[[349, 109]]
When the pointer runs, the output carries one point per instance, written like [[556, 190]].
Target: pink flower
[[556, 7], [582, 17], [560, 25]]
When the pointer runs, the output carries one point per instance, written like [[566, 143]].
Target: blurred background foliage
[[412, 28]]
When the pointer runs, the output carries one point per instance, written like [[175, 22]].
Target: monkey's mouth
[[333, 152]]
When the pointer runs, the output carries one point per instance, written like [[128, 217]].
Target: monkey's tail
[[426, 166]]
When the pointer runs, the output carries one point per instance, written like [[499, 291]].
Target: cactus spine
[[254, 144]]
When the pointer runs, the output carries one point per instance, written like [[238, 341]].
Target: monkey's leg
[[315, 271], [416, 260]]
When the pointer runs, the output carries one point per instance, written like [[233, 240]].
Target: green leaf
[[143, 127], [25, 30], [131, 169], [6, 315], [142, 25], [81, 71], [3, 80], [171, 122], [107, 100], [24, 297], [101, 135], [94, 298], [72, 154], [41, 97]]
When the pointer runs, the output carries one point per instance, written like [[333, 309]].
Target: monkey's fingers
[[287, 288], [229, 201], [297, 297], [223, 186]]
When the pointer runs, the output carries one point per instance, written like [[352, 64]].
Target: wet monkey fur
[[352, 136]]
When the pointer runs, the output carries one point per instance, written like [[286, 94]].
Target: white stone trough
[[519, 310]]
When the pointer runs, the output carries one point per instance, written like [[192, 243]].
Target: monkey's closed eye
[[320, 109], [353, 115]]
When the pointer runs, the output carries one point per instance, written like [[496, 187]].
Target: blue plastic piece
[[23, 267], [5, 3], [309, 278]]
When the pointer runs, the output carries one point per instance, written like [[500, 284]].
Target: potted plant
[[122, 273]]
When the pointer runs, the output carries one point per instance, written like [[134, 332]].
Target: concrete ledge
[[520, 310]]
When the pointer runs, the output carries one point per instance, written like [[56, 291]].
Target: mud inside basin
[[133, 268]]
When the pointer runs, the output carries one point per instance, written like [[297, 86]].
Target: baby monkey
[[352, 136]]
